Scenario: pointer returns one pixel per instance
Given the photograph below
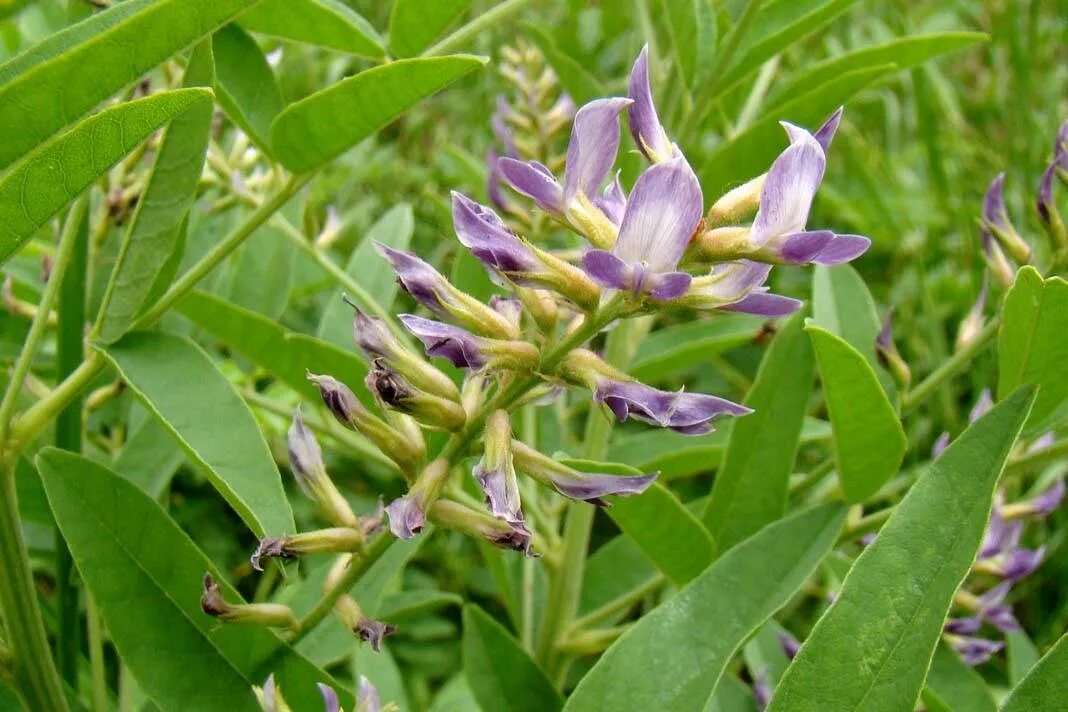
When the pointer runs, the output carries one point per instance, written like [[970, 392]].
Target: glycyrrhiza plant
[[550, 416]]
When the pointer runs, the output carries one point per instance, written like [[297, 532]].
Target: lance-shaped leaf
[[247, 89], [672, 657], [1033, 344], [180, 385], [750, 488], [149, 457], [842, 304], [502, 675], [54, 174], [309, 132], [328, 23], [869, 442], [414, 24], [666, 352], [47, 88], [393, 229], [1046, 686], [144, 574], [666, 532], [953, 685], [870, 650], [692, 26], [157, 223], [1021, 653]]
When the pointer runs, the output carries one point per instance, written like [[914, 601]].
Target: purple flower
[[963, 626], [594, 486], [613, 201], [974, 651], [1020, 563], [406, 517], [940, 445], [996, 220], [645, 127], [480, 230], [982, 406], [993, 609], [825, 133], [372, 631], [1044, 202], [461, 347], [762, 691], [1001, 535], [1047, 502], [590, 155], [516, 537], [789, 645], [778, 230], [493, 183], [662, 215], [338, 398], [501, 490], [367, 697], [738, 287], [424, 283], [330, 700], [686, 413], [305, 456]]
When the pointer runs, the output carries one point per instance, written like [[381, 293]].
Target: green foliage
[[245, 85], [329, 23], [1044, 687], [414, 24]]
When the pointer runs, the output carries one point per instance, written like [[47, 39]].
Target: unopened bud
[[590, 487], [722, 244], [1044, 202], [972, 323], [268, 614], [407, 514], [322, 541], [995, 258], [542, 307], [495, 472], [270, 697], [407, 450], [888, 355], [465, 350], [306, 460], [591, 222], [996, 219], [586, 368], [456, 516], [737, 203], [368, 630], [395, 391]]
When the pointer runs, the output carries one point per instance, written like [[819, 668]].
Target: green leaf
[[156, 225], [46, 88], [145, 576], [662, 527], [308, 133], [764, 656], [413, 604], [905, 52], [394, 228], [247, 89], [677, 455], [262, 276], [327, 23], [615, 569], [1046, 686], [750, 488], [286, 354], [149, 458], [1021, 653], [692, 27], [842, 304], [1033, 344], [54, 174], [731, 695], [672, 657], [576, 79], [502, 675], [179, 384], [871, 648], [414, 24], [869, 442], [956, 685], [780, 24], [751, 152], [668, 351]]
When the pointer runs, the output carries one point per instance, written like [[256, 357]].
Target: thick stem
[[32, 665]]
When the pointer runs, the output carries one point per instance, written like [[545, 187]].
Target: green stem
[[32, 665], [485, 21], [950, 368], [96, 656], [70, 353], [617, 605], [866, 525]]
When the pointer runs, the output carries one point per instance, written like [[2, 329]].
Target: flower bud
[[268, 614], [368, 630], [887, 353], [453, 515], [306, 461], [430, 288], [394, 391], [972, 323], [541, 306], [1044, 202], [405, 450], [378, 342], [407, 514], [270, 697], [996, 219], [995, 258], [736, 204], [322, 541], [495, 472], [465, 350]]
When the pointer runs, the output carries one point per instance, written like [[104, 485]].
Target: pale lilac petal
[[480, 230], [493, 182], [940, 445], [534, 181], [502, 493], [789, 644], [613, 201], [788, 191], [765, 304], [842, 249], [1002, 618], [607, 270], [417, 277], [667, 286], [663, 211], [593, 147], [963, 626], [1046, 503], [800, 248], [330, 701], [649, 135], [825, 133], [518, 537], [975, 651], [687, 413], [367, 697], [406, 517], [983, 404], [994, 211], [446, 341], [592, 486], [1021, 563]]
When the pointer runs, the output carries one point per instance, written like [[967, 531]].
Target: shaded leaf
[[1021, 653], [54, 174], [328, 23], [501, 674], [307, 133], [869, 442], [672, 657], [956, 685], [668, 351], [871, 648], [750, 488], [245, 84], [179, 384], [1046, 686], [149, 457]]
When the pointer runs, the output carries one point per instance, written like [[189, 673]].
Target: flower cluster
[[630, 254], [1003, 245]]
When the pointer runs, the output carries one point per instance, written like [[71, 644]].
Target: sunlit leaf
[[328, 23], [414, 24]]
